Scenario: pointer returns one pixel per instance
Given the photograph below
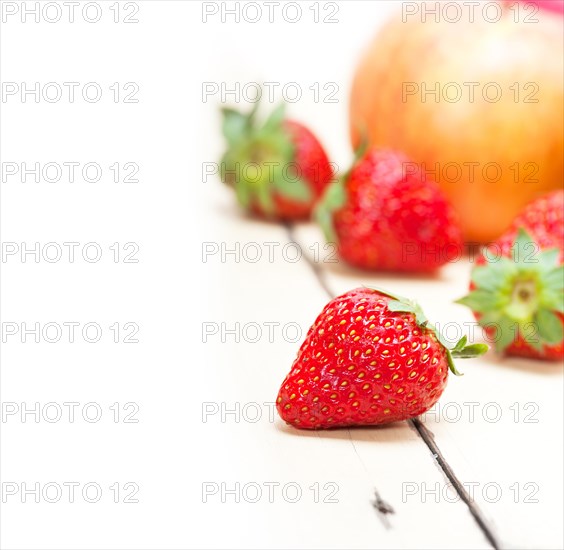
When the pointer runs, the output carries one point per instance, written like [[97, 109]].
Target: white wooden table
[[496, 431], [214, 465]]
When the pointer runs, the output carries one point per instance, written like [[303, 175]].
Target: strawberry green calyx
[[521, 295], [335, 197], [259, 159], [460, 349]]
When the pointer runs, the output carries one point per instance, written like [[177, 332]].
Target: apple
[[476, 103]]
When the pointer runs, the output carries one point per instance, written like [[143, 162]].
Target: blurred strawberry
[[517, 289], [384, 216], [278, 170]]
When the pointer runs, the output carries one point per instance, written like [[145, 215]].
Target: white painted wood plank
[[514, 462], [354, 463]]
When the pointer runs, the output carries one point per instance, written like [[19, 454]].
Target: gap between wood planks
[[381, 506]]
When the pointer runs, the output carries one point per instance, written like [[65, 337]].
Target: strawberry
[[370, 358], [517, 288], [278, 169], [385, 216]]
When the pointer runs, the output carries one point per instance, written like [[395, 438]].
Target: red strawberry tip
[[520, 293]]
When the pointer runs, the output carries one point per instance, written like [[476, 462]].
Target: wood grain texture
[[496, 426], [370, 468]]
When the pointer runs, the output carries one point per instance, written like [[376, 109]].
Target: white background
[[170, 54]]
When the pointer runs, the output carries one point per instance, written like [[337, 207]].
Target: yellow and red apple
[[477, 104]]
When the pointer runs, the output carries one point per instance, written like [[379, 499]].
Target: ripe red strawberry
[[385, 215], [517, 288], [369, 358], [278, 170]]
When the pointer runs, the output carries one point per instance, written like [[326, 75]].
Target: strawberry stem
[[462, 351]]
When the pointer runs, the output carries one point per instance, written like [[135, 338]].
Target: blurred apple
[[477, 104]]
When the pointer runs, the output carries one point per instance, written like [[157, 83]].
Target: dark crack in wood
[[383, 509], [429, 439]]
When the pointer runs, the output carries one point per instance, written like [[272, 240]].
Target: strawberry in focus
[[278, 169], [517, 288], [370, 358], [385, 214]]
